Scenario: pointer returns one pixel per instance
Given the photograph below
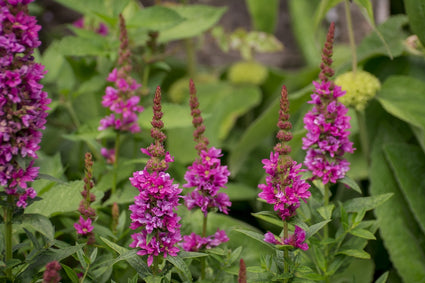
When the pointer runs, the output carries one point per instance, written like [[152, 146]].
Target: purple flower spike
[[121, 99], [328, 125], [284, 187], [206, 174], [23, 104], [154, 209]]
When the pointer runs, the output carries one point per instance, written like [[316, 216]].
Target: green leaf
[[198, 18], [351, 183], [71, 273], [397, 226], [363, 233], [319, 258], [255, 235], [408, 164], [40, 224], [43, 258], [263, 17], [156, 18], [269, 217], [135, 261], [355, 253], [323, 9], [182, 267], [404, 97], [79, 46], [302, 21], [184, 254], [313, 229], [326, 211], [383, 278], [416, 12], [60, 198], [392, 33], [366, 203], [263, 127], [240, 192], [175, 116]]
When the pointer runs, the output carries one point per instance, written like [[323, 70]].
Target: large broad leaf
[[182, 268], [392, 33], [366, 203], [302, 20], [263, 17], [408, 165], [398, 227], [59, 199], [264, 126], [97, 45], [199, 18], [46, 256], [107, 8], [416, 12], [175, 116], [155, 18], [40, 224], [221, 104], [404, 98]]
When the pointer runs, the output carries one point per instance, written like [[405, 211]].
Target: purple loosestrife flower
[[84, 226], [23, 104], [194, 242], [296, 240], [154, 208], [121, 99], [327, 124], [206, 174], [284, 187]]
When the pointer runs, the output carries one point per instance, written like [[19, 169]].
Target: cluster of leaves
[[240, 117]]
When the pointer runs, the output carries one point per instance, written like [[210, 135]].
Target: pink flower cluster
[[121, 99], [207, 176], [194, 242], [123, 103], [23, 104], [296, 240], [154, 211], [51, 274], [328, 130], [285, 194]]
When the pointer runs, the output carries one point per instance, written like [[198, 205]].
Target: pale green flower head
[[360, 87]]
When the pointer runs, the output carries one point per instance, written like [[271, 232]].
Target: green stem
[[326, 197], [145, 79], [285, 253], [351, 36], [191, 57], [72, 113], [85, 273], [117, 147], [8, 215], [204, 234], [363, 134], [155, 267]]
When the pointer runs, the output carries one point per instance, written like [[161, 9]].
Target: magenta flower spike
[[206, 176], [51, 274], [121, 99], [328, 125], [154, 209], [23, 104], [284, 187]]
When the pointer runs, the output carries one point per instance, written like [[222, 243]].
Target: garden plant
[[124, 159]]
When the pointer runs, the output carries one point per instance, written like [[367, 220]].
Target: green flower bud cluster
[[360, 87], [247, 72]]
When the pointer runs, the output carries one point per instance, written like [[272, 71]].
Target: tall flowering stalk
[[206, 176], [327, 124], [84, 226], [121, 100], [154, 209], [23, 107], [284, 187]]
